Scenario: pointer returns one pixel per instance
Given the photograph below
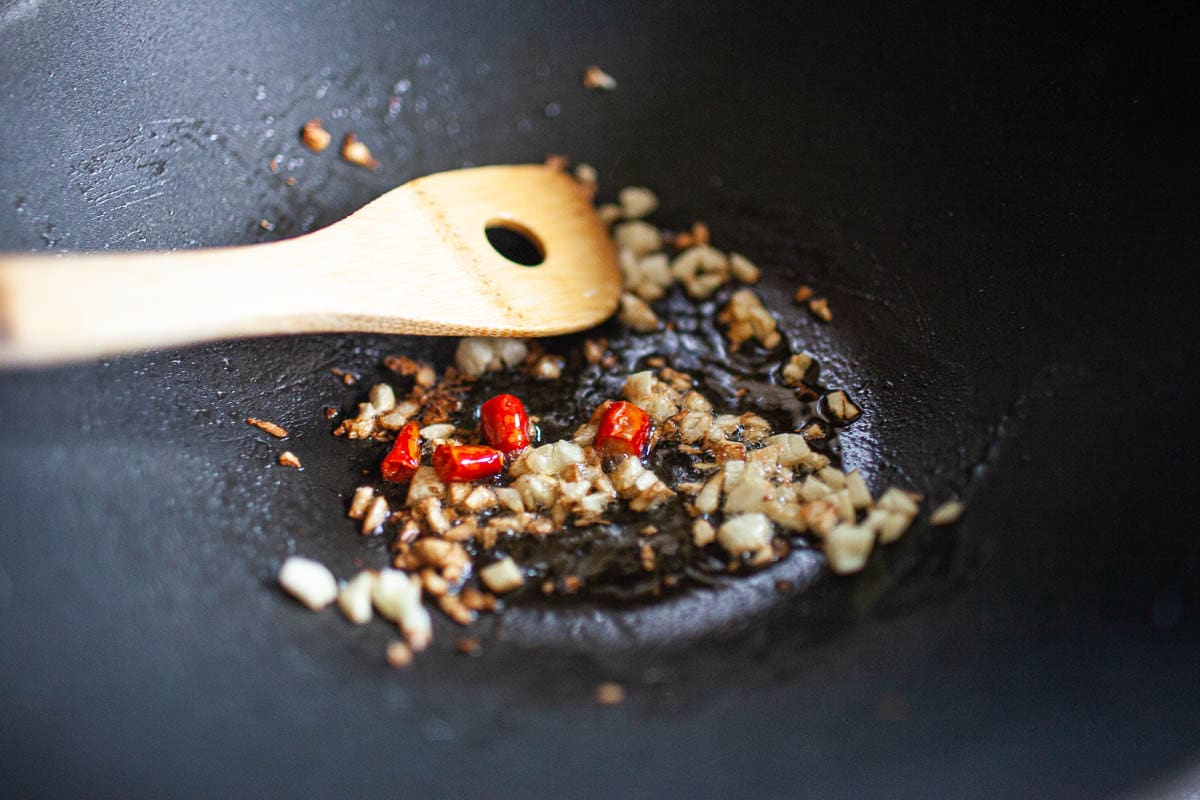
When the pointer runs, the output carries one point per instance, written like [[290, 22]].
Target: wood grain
[[414, 261]]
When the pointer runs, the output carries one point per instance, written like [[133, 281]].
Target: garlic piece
[[947, 513], [596, 78], [361, 502], [354, 599], [745, 533], [847, 547], [637, 202], [503, 576], [308, 581], [743, 268]]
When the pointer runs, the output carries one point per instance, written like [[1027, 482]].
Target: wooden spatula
[[418, 260]]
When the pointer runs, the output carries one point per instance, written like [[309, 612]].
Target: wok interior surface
[[992, 202]]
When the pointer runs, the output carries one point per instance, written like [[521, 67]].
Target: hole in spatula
[[515, 242]]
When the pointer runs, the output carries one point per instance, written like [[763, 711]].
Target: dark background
[[1000, 205]]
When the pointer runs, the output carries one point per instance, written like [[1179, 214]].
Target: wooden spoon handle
[[56, 308], [416, 260]]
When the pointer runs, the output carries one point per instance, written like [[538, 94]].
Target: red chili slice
[[505, 423], [401, 463], [466, 462], [624, 431]]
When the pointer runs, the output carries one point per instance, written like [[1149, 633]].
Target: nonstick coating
[[994, 203]]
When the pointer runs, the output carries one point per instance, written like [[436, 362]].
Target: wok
[[991, 199]]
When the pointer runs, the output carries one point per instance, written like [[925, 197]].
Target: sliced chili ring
[[624, 430], [401, 463], [466, 462], [504, 423]]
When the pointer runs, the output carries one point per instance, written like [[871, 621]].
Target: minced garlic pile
[[750, 490]]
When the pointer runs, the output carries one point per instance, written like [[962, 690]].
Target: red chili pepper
[[466, 462], [505, 423], [401, 463], [624, 431]]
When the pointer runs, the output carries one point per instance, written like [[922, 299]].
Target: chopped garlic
[[624, 476], [397, 418], [745, 318], [656, 268], [637, 202], [510, 499], [819, 307], [845, 507], [503, 576], [361, 502], [841, 407], [947, 513], [650, 494], [477, 355], [566, 454], [743, 268], [549, 459], [424, 483], [314, 136], [587, 175], [511, 352], [398, 654], [278, 431], [383, 397], [585, 434], [440, 431], [710, 496], [377, 514], [860, 495], [793, 449], [640, 238], [820, 516], [610, 694], [481, 498], [430, 509], [636, 314], [876, 518], [631, 268], [548, 368], [788, 514], [748, 491], [701, 270], [398, 598], [694, 426], [833, 478], [308, 581], [573, 491], [697, 261], [812, 489], [893, 526], [745, 533], [653, 396], [609, 213], [474, 356], [354, 599], [596, 78], [847, 548], [357, 153], [899, 501], [796, 369], [537, 491], [593, 504]]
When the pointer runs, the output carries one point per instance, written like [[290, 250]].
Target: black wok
[[994, 203]]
